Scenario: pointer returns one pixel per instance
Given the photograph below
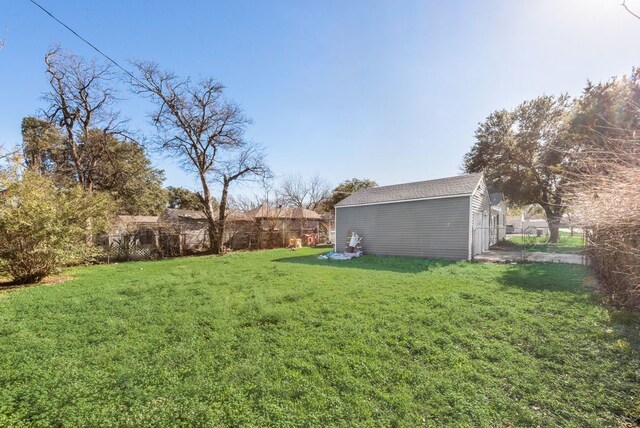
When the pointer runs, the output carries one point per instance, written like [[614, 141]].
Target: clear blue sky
[[388, 90]]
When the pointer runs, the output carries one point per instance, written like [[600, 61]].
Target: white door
[[485, 232], [477, 233]]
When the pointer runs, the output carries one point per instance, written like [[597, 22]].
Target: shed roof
[[496, 197], [460, 185]]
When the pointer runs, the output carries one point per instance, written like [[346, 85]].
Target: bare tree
[[205, 131], [632, 13], [305, 193], [7, 158], [79, 101], [247, 163], [269, 204], [265, 195]]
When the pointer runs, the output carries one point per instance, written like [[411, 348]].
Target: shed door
[[477, 233], [480, 232], [486, 229]]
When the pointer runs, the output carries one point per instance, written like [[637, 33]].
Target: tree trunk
[[554, 228], [208, 211], [222, 215], [212, 235], [553, 213]]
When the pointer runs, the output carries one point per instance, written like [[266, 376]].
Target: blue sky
[[387, 90]]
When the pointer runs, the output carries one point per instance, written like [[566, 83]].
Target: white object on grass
[[339, 256]]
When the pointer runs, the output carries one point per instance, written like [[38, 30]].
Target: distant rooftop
[[265, 211], [138, 218], [177, 214]]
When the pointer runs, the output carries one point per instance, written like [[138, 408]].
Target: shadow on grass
[[550, 248], [558, 277], [627, 326], [8, 285], [380, 263], [574, 280]]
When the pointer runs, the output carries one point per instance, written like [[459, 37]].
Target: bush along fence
[[615, 256]]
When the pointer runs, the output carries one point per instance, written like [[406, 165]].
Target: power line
[[113, 61]]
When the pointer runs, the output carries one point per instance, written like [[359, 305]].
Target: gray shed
[[444, 218]]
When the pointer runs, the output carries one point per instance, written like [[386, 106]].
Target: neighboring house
[[444, 218], [530, 226], [174, 233], [239, 231], [534, 226], [498, 221], [328, 232], [278, 225], [193, 228], [189, 229], [178, 232], [132, 237]]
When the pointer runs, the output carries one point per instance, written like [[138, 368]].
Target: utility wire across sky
[[94, 47]]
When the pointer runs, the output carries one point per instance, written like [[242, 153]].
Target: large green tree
[[83, 141], [345, 189], [605, 121], [117, 166], [522, 153], [182, 198], [79, 101]]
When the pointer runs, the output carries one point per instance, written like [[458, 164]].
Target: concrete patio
[[506, 256]]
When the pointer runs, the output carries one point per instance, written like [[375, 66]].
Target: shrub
[[607, 203], [44, 227]]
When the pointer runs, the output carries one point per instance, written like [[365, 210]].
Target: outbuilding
[[445, 218]]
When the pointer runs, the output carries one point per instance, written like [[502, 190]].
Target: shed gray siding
[[435, 228], [480, 198], [481, 206]]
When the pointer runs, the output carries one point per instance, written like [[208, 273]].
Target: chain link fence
[[531, 241]]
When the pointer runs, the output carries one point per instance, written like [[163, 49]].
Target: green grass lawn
[[279, 338], [566, 244]]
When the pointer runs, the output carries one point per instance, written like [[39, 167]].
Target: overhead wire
[[94, 47]]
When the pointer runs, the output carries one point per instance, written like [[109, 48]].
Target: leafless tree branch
[[624, 4], [197, 125], [299, 191], [79, 103]]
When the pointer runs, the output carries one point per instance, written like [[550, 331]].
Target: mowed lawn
[[279, 338]]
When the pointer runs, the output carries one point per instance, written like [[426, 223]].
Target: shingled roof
[[459, 185], [293, 213], [131, 219], [175, 214]]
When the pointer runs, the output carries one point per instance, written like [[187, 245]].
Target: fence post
[[522, 252]]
